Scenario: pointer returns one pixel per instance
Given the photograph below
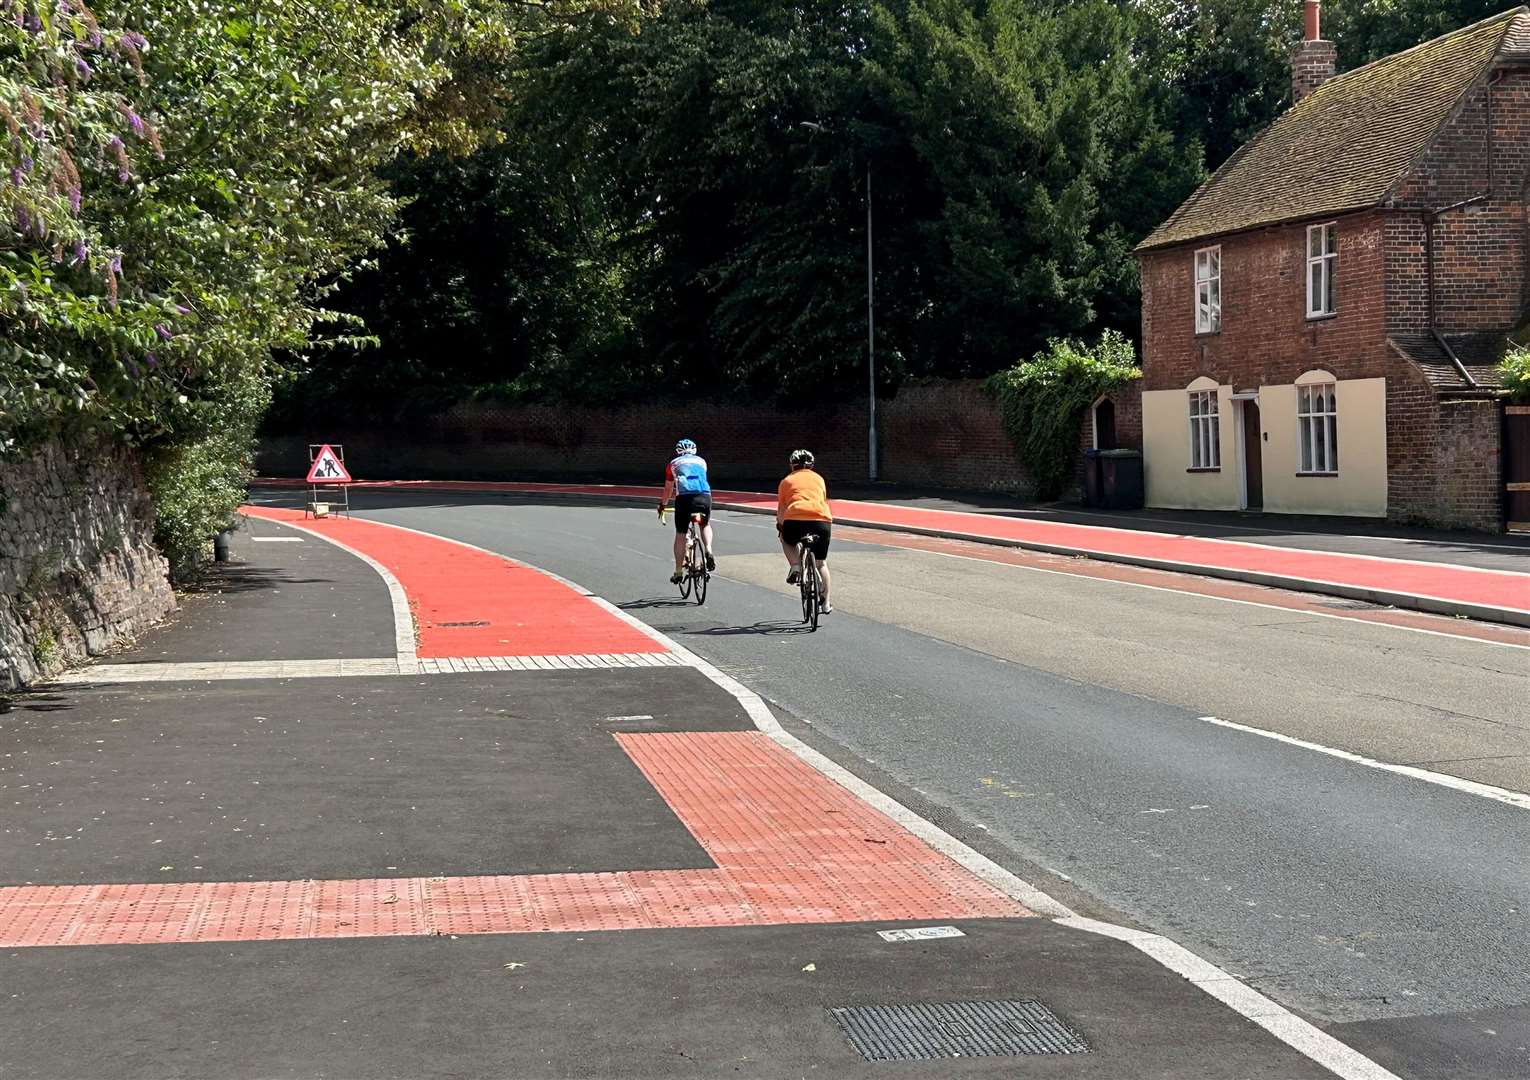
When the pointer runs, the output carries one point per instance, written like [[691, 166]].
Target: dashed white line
[[1456, 783]]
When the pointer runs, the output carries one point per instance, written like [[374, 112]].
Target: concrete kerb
[[1410, 601], [1301, 1035], [403, 618], [1407, 601]]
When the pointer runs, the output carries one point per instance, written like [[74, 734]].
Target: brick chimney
[[1315, 60]]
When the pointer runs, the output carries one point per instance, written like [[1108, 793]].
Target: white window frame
[[1322, 270], [1205, 430], [1317, 429], [1208, 290]]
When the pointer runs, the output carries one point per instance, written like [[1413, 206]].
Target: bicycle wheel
[[698, 567], [810, 589], [685, 577], [802, 569]]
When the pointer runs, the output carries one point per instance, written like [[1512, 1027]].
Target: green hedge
[[1516, 373]]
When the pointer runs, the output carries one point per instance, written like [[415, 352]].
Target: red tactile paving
[[1442, 581], [790, 845], [508, 609]]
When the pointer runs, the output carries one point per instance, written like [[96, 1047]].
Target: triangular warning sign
[[327, 468]]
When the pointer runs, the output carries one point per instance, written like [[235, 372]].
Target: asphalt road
[[1055, 721]]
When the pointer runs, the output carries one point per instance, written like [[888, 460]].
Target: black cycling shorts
[[793, 532], [686, 505]]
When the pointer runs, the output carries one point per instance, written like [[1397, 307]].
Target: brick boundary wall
[[948, 435], [1444, 455], [79, 571], [1470, 462], [940, 435]]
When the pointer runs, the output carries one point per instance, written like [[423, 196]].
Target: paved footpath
[[1477, 584], [388, 805]]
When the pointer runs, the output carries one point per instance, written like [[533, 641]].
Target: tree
[[189, 182], [1220, 68], [1367, 30], [682, 210], [693, 196], [1015, 133]]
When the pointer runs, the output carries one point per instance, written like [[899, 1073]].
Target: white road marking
[[920, 933], [1224, 599], [277, 539], [1289, 1028], [1456, 783], [1308, 1040], [739, 519], [1342, 1060]]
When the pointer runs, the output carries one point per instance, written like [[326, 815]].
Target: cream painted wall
[[1166, 454], [1360, 488]]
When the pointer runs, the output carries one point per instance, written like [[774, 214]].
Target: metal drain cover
[[956, 1029]]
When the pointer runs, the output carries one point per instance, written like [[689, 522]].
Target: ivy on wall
[[1042, 401]]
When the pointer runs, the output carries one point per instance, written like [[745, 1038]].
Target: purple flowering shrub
[[73, 99], [183, 185]]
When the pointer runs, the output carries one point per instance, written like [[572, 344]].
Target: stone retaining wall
[[79, 571]]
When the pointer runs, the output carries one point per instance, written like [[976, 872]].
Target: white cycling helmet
[[802, 459], [685, 446]]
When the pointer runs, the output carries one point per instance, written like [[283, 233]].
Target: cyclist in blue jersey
[[685, 478]]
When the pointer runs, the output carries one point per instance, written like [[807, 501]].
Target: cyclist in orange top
[[802, 508]]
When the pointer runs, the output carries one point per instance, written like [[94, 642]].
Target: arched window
[[1317, 423], [1205, 424]]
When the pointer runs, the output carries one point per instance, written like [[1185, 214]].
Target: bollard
[[220, 545]]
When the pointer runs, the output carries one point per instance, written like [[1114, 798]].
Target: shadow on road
[[35, 702], [779, 626], [654, 602], [238, 578]]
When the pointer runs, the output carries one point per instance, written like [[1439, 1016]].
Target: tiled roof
[[1479, 353], [1516, 42], [1345, 145]]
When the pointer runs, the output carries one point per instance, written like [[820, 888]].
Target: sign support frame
[[337, 495]]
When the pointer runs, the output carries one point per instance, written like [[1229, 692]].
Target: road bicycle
[[695, 574], [810, 583]]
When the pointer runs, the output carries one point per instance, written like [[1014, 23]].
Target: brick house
[[1323, 318]]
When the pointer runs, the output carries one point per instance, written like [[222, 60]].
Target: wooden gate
[[1516, 467]]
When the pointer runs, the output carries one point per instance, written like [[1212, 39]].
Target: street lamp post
[[871, 346], [871, 342]]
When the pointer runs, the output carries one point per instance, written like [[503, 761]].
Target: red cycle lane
[[1500, 595], [468, 602]]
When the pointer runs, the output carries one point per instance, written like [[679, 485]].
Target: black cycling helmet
[[802, 459]]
